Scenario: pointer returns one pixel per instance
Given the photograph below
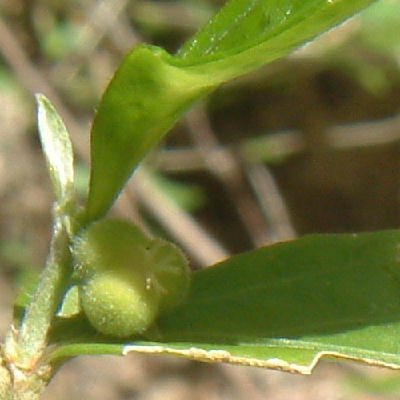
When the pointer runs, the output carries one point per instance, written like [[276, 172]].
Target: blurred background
[[309, 143]]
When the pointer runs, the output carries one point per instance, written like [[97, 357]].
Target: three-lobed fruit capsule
[[126, 279]]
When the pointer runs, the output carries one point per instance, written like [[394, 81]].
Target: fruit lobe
[[126, 279]]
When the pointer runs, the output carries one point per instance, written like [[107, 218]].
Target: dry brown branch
[[271, 202], [278, 145], [225, 167], [103, 17], [30, 77]]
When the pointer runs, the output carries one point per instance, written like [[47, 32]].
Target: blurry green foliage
[[188, 196], [15, 253], [60, 40], [8, 83], [25, 283], [379, 27], [375, 385], [81, 178]]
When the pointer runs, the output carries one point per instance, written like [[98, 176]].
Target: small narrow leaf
[[57, 149], [70, 305], [283, 306]]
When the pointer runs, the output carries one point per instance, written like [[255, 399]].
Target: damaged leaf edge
[[199, 354]]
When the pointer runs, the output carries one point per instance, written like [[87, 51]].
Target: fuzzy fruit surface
[[125, 278], [129, 313]]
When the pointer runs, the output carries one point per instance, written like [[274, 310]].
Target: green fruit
[[109, 245], [126, 279], [118, 307], [169, 273]]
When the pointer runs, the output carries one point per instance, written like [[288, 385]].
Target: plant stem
[[32, 336], [23, 349]]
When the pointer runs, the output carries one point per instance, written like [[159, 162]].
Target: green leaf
[[57, 149], [284, 306], [244, 24], [188, 196], [144, 99], [245, 34], [151, 89], [70, 305]]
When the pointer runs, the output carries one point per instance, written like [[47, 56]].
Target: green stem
[[32, 336]]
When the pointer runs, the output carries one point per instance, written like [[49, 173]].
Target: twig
[[30, 77], [271, 201], [102, 19], [177, 14], [281, 144], [225, 167]]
